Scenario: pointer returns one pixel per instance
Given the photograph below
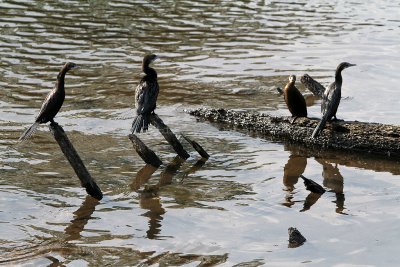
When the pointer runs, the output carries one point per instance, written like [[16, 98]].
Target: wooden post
[[144, 152], [70, 153], [197, 147], [169, 136]]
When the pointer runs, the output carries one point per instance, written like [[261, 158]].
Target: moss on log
[[352, 136]]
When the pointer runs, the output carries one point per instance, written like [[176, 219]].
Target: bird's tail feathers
[[140, 123], [319, 127], [29, 132]]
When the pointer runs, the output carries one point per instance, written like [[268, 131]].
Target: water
[[235, 208]]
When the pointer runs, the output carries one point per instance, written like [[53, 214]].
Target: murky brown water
[[235, 208]]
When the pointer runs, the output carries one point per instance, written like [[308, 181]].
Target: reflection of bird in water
[[52, 104], [333, 179], [294, 99], [294, 167], [331, 99], [145, 96]]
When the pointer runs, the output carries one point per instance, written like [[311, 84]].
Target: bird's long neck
[[150, 72], [338, 76], [60, 79]]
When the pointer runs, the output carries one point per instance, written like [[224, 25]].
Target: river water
[[234, 209]]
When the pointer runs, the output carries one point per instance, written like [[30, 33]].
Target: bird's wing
[[151, 97], [327, 97], [50, 106], [146, 96], [140, 96]]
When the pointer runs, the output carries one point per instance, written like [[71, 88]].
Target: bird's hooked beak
[[351, 65], [76, 67]]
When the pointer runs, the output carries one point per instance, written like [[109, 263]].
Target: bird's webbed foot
[[293, 119]]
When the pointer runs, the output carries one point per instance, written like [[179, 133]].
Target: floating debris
[[296, 239], [312, 186]]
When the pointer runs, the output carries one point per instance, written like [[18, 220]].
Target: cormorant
[[145, 96], [331, 99], [52, 103], [294, 99]]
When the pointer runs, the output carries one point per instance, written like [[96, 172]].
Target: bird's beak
[[76, 67], [351, 65]]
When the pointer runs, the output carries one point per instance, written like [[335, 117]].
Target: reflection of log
[[169, 136], [373, 138], [197, 147], [144, 152], [70, 153]]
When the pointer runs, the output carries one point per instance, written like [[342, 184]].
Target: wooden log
[[197, 147], [144, 152], [72, 156], [352, 136], [169, 136]]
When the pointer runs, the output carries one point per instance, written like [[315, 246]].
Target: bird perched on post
[[52, 104], [145, 96], [331, 99], [294, 99]]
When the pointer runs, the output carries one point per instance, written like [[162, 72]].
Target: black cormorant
[[52, 103], [331, 99], [146, 95], [294, 99]]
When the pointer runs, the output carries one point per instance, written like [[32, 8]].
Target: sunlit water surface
[[235, 208]]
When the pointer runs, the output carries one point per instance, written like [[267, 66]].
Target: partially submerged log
[[70, 153], [371, 138]]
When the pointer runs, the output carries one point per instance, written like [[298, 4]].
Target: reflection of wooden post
[[169, 136], [70, 153], [144, 152], [169, 172], [142, 176], [81, 218], [197, 147]]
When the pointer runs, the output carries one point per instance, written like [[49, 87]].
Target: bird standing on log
[[331, 99], [146, 96], [52, 104], [294, 99]]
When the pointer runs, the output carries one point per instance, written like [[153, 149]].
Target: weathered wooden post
[[144, 152], [169, 136], [197, 147], [72, 156]]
